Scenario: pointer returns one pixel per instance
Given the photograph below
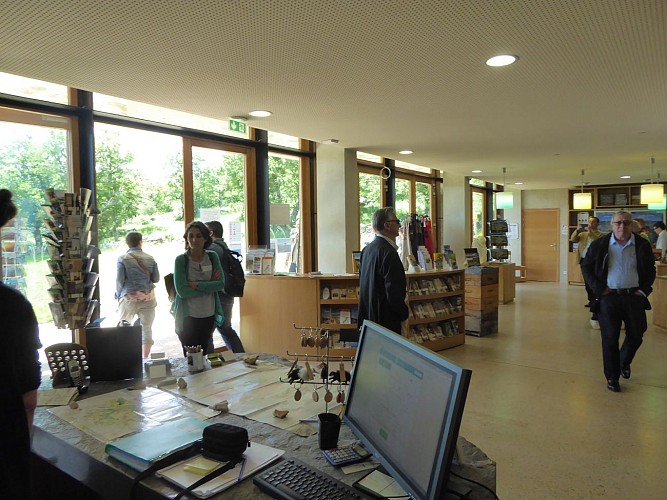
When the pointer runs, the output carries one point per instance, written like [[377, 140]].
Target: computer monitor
[[405, 405]]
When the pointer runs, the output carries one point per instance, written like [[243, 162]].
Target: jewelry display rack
[[324, 376]]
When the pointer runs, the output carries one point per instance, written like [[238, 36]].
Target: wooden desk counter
[[659, 301], [68, 463]]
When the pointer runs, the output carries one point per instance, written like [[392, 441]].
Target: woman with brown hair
[[197, 278]]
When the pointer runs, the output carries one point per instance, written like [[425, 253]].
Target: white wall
[[456, 214], [337, 208]]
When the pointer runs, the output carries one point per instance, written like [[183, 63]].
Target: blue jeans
[[228, 334]]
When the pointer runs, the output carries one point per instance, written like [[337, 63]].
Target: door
[[540, 244]]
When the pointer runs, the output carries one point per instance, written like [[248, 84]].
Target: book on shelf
[[439, 285], [419, 311], [438, 331], [345, 317], [431, 332], [440, 308], [415, 289], [144, 448], [429, 311]]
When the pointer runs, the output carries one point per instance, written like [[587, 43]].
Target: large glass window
[[478, 212], [370, 200], [125, 107], [423, 198], [403, 199], [285, 212], [139, 179], [218, 181], [32, 158], [33, 89]]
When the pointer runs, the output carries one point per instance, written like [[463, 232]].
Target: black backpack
[[234, 273]]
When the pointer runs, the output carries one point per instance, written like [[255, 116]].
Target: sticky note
[[201, 466]]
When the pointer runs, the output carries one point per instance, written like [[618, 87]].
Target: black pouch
[[224, 442]]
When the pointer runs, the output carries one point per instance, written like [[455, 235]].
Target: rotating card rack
[[326, 375]]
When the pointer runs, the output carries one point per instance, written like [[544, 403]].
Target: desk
[[70, 463]]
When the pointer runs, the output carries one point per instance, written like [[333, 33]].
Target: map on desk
[[118, 413], [252, 391]]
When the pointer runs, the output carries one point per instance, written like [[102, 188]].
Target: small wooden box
[[481, 304], [481, 292], [481, 323]]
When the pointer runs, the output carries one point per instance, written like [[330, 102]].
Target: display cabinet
[[338, 308], [436, 303]]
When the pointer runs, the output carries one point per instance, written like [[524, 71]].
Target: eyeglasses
[[394, 220], [622, 222]]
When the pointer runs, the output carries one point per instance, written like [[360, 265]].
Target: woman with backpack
[[197, 278]]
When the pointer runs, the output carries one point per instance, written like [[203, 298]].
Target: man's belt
[[623, 291]]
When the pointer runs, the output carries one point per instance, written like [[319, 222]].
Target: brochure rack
[[71, 257]]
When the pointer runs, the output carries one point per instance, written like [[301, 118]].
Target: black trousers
[[614, 309], [198, 332], [591, 297]]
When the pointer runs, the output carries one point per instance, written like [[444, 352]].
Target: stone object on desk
[[250, 360], [74, 405], [139, 386], [222, 406], [182, 384], [167, 381], [280, 413]]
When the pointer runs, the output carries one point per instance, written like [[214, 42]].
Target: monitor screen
[[405, 405]]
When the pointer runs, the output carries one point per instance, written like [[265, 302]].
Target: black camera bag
[[224, 442]]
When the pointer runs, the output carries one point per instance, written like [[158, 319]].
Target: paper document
[[56, 397], [257, 456]]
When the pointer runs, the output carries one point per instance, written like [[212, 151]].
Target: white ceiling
[[589, 90]]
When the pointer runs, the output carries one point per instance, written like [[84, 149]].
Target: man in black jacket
[[382, 285], [620, 269], [229, 335]]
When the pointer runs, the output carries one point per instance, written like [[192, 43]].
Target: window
[[125, 107], [33, 89], [478, 212], [34, 155], [370, 200], [370, 157], [139, 179], [287, 141], [285, 212]]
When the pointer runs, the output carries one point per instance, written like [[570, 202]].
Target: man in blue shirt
[[136, 271], [620, 269]]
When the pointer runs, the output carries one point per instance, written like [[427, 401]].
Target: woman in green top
[[197, 277]]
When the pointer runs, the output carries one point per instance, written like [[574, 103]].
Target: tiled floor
[[538, 403]]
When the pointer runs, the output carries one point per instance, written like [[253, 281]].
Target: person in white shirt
[[661, 243]]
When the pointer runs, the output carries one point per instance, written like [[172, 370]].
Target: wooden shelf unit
[[444, 292], [620, 197], [346, 290]]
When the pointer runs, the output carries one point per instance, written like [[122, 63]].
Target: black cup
[[329, 429]]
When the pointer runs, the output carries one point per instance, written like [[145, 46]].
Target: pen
[[240, 478]]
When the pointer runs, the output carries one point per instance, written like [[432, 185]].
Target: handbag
[[169, 285]]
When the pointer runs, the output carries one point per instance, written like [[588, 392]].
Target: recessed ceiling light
[[260, 113], [502, 60], [626, 177], [476, 171], [519, 183], [406, 152]]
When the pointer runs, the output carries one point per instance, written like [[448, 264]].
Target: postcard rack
[[329, 372]]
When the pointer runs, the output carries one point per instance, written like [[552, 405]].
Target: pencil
[[240, 478]]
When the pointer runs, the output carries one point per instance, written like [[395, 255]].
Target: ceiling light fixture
[[504, 199], [659, 206], [518, 183], [652, 193], [260, 113], [626, 177], [406, 152], [582, 201], [476, 171], [502, 60]]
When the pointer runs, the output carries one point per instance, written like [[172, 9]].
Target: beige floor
[[538, 403]]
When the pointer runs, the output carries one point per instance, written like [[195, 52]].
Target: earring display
[[301, 370]]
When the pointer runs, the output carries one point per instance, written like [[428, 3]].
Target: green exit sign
[[237, 126]]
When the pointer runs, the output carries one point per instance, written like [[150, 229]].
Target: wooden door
[[540, 244]]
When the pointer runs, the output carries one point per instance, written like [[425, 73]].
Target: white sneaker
[[595, 324]]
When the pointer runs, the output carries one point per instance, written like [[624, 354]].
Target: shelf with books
[[436, 309], [338, 299]]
